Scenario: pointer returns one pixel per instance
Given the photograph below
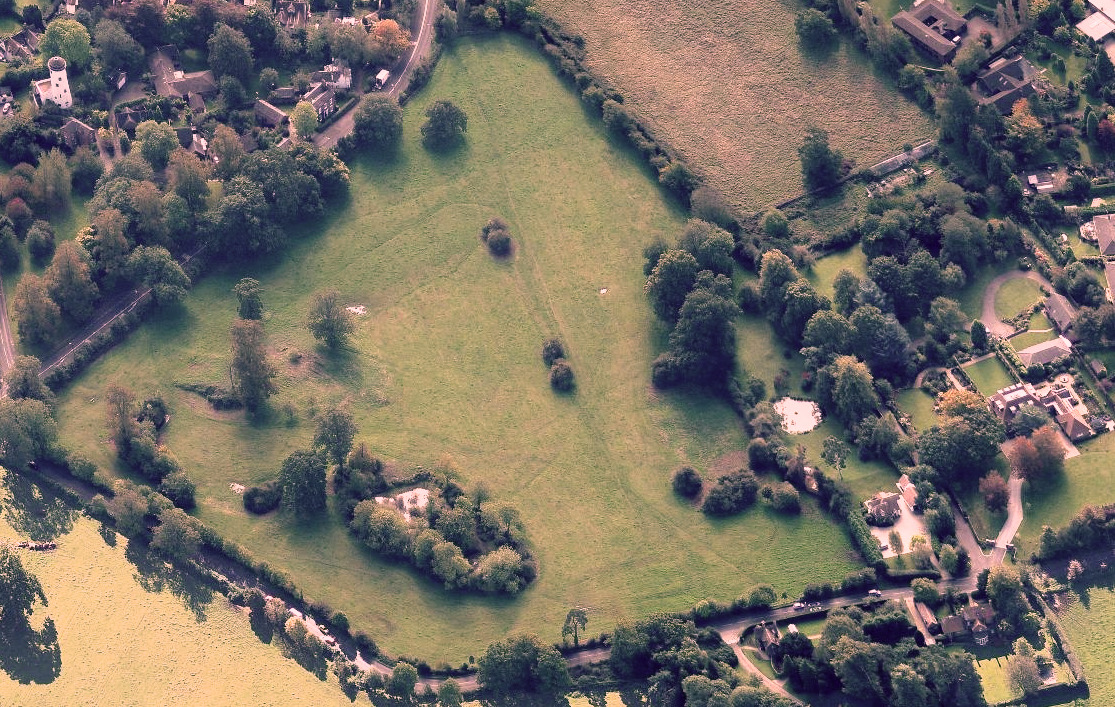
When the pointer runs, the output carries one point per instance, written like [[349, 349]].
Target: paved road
[[7, 343], [400, 73], [988, 316]]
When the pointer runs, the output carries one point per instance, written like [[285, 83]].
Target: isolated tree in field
[[552, 350], [36, 314], [834, 451], [230, 53], [19, 589], [252, 374], [248, 292], [329, 322], [670, 282], [70, 282], [304, 120], [402, 680], [445, 125], [815, 28], [995, 491], [562, 378], [335, 431], [821, 166], [177, 534], [22, 380], [120, 416], [575, 622], [156, 142], [68, 39], [378, 123], [687, 482], [302, 477], [156, 268]]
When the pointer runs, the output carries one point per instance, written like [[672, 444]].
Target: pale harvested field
[[726, 84]]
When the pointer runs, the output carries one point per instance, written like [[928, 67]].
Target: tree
[[189, 178], [575, 622], [995, 491], [253, 375], [847, 388], [329, 322], [117, 49], [40, 241], [128, 507], [22, 380], [821, 166], [687, 482], [523, 664], [387, 42], [561, 376], [1050, 454], [69, 281], [9, 248], [552, 350], [157, 269], [925, 591], [711, 245], [36, 314], [449, 694], [378, 123], [179, 489], [1023, 674], [248, 291], [908, 687], [177, 534], [304, 120], [302, 477], [670, 282], [965, 440], [404, 677], [156, 142], [85, 169], [68, 39], [979, 336], [228, 150], [381, 528], [704, 340], [52, 182], [20, 590], [335, 430], [27, 431], [815, 28], [230, 53], [445, 125]]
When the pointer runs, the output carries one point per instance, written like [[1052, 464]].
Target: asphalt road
[[400, 73]]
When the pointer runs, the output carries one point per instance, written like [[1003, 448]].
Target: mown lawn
[[446, 361], [919, 405], [865, 478], [971, 297], [825, 270], [1089, 625], [1016, 295], [989, 376], [131, 630], [1030, 338], [729, 86]]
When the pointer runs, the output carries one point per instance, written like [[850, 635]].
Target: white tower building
[[57, 87]]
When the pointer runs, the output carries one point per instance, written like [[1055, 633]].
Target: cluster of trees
[[561, 373], [135, 430], [873, 659], [1091, 527], [525, 668], [1039, 458], [962, 445], [27, 429], [690, 288], [463, 541]]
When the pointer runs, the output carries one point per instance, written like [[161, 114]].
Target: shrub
[[499, 243], [552, 350], [785, 499], [40, 242], [263, 499], [687, 482], [731, 494], [179, 489], [561, 376]]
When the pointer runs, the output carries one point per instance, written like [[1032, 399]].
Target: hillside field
[[134, 631], [446, 361], [726, 83]]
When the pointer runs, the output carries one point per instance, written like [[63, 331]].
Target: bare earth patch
[[798, 416], [237, 488], [358, 310], [414, 500]]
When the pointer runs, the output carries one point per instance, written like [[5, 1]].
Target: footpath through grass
[[133, 631], [446, 361]]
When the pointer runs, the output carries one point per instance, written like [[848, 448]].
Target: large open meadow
[[727, 84], [446, 361], [130, 628]]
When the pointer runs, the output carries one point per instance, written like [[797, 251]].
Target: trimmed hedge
[[88, 352]]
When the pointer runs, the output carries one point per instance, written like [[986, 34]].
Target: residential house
[[1042, 182], [883, 508], [1101, 22], [1061, 313], [1004, 82], [24, 44], [1105, 234], [934, 26], [322, 98], [185, 137], [293, 14], [1046, 352], [766, 635], [196, 103], [285, 94], [77, 134], [336, 76], [1057, 399], [928, 618], [171, 81], [1109, 273], [127, 118], [269, 115], [979, 618], [908, 492], [953, 627]]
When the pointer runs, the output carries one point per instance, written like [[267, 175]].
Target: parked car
[[874, 592], [799, 605]]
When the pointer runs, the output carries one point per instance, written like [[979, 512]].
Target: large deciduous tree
[[230, 53], [22, 380], [523, 664], [156, 143], [335, 431], [36, 314], [378, 123], [304, 120], [156, 268], [253, 375], [68, 39], [670, 282], [19, 591], [445, 125], [302, 477], [247, 292], [329, 322], [821, 165], [70, 283], [965, 440]]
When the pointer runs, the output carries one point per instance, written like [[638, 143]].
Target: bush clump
[[552, 350], [561, 376], [731, 494], [497, 235], [687, 482], [264, 498]]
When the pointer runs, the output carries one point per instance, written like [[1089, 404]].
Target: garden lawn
[[991, 664], [728, 85], [971, 297], [133, 631], [447, 362], [1029, 338], [825, 270], [1016, 295], [918, 404], [864, 478], [989, 376]]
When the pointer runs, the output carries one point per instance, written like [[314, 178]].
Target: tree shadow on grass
[[261, 626], [107, 534], [343, 365], [30, 656], [819, 53], [34, 511], [156, 575]]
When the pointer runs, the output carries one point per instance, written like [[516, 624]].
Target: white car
[[799, 605], [874, 592]]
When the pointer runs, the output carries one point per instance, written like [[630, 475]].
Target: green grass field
[[989, 376], [1027, 339], [919, 404], [133, 631], [864, 478], [728, 86], [66, 222], [971, 297], [1089, 626], [1016, 295], [447, 362], [826, 268]]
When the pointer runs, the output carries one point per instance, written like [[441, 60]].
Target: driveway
[[988, 316]]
